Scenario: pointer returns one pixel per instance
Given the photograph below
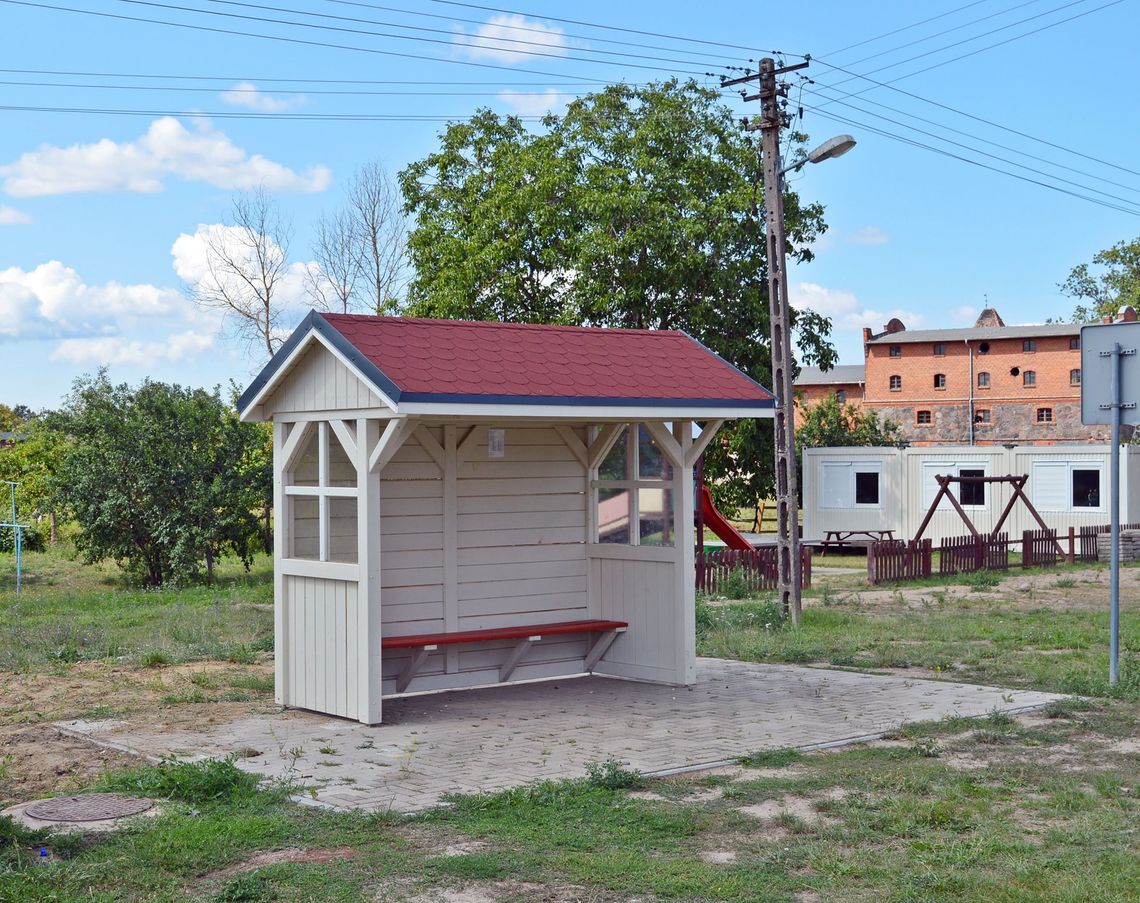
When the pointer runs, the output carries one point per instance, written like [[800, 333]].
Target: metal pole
[[787, 506], [1114, 514]]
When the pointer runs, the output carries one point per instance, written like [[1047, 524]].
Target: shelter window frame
[[644, 493], [320, 492]]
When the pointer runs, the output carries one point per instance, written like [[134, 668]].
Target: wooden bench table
[[527, 635], [840, 539]]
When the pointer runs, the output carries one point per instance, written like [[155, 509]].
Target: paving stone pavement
[[490, 739]]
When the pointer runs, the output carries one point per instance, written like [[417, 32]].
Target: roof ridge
[[498, 324]]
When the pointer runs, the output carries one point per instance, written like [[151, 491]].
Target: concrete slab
[[490, 739]]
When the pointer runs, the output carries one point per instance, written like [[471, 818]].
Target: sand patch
[[800, 807], [273, 857], [718, 857]]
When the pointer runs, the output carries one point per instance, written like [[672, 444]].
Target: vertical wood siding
[[643, 593], [320, 645], [320, 382]]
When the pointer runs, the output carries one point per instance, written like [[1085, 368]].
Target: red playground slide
[[715, 521]]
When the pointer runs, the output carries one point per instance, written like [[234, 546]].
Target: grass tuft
[[772, 758], [197, 783]]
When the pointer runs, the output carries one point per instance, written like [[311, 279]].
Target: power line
[[301, 41], [887, 34], [358, 31], [976, 118], [451, 34], [254, 91], [284, 116], [827, 114]]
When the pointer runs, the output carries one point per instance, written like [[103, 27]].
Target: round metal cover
[[88, 807]]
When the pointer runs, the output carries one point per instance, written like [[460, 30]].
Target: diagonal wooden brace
[[414, 664], [516, 655], [601, 647]]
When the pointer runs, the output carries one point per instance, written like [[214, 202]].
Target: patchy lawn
[[1041, 807]]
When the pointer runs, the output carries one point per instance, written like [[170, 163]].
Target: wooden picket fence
[[758, 568], [896, 559], [1038, 548], [966, 554], [1086, 541]]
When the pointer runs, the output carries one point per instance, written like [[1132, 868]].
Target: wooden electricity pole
[[787, 504]]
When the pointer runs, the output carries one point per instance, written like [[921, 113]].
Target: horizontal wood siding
[[320, 645], [320, 382], [411, 543], [521, 536]]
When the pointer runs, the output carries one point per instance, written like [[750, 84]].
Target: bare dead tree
[[377, 208], [246, 261], [332, 283]]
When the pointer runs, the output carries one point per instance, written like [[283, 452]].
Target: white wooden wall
[[320, 382], [320, 645]]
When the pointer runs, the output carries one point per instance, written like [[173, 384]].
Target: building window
[[1029, 378], [972, 493], [983, 380], [1029, 345], [867, 488], [1075, 343], [1075, 377], [1065, 486], [896, 351], [896, 383], [840, 396], [924, 418], [940, 380], [939, 349], [1044, 415], [982, 416], [1086, 488]]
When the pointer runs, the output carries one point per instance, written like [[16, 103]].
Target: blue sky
[[99, 213]]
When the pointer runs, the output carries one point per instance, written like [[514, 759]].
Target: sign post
[[1110, 387]]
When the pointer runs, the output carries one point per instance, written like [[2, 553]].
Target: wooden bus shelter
[[459, 504]]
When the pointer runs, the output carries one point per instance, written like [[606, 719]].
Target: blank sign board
[[1096, 372]]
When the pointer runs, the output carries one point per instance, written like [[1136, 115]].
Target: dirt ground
[[37, 759]]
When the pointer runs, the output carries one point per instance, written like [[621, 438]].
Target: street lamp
[[787, 505]]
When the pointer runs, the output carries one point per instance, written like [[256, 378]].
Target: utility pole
[[787, 504]]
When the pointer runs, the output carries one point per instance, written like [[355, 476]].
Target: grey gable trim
[[585, 401], [314, 322]]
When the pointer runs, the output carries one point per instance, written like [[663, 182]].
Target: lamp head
[[833, 147]]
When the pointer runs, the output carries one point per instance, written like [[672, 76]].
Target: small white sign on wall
[[496, 443]]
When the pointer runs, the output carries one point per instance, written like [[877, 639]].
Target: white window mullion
[[634, 471], [324, 526]]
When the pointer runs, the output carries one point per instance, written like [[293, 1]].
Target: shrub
[[208, 781], [612, 775]]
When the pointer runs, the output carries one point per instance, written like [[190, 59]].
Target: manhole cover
[[88, 807]]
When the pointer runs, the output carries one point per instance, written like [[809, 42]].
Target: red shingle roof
[[455, 360]]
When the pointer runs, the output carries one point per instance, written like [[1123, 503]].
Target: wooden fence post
[[871, 564], [1026, 549], [1072, 556]]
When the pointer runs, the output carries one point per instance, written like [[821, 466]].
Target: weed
[[613, 775], [772, 758], [981, 581], [1066, 708], [249, 888], [735, 585], [1065, 583], [471, 866], [999, 719], [328, 751], [197, 783], [926, 748], [155, 658]]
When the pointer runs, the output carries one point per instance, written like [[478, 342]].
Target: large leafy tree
[[638, 207], [1111, 282], [829, 423], [162, 478]]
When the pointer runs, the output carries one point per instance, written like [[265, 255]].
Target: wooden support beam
[[291, 449], [600, 647], [344, 435], [603, 442], [515, 656], [414, 664], [431, 446], [574, 443], [669, 446], [394, 436], [465, 443], [702, 441]]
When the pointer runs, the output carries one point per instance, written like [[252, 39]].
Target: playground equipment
[[17, 536]]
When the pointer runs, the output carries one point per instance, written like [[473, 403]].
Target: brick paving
[[490, 739]]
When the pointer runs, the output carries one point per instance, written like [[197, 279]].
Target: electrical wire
[[283, 116], [255, 91], [903, 28], [275, 80]]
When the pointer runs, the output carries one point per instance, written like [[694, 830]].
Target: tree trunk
[[209, 566], [53, 527], [267, 529]]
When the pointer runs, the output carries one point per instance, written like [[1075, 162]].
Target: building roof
[[417, 362], [839, 375], [976, 333]]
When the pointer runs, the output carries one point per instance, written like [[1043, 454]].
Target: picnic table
[[840, 539]]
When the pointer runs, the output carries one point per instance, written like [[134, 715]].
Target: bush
[[197, 783], [612, 775]]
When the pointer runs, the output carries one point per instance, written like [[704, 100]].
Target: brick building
[[814, 385], [986, 385]]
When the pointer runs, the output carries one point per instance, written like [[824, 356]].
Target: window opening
[[924, 418], [1044, 415], [841, 396], [972, 493], [1075, 377], [896, 351], [321, 495], [1029, 378], [896, 383], [635, 504], [940, 380], [866, 487], [1029, 345], [939, 349], [1075, 343], [1086, 488], [982, 415], [983, 380]]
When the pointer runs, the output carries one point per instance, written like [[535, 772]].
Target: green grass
[[69, 612]]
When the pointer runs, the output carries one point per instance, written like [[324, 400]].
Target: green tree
[[1110, 283], [32, 463], [636, 208], [162, 478], [829, 424]]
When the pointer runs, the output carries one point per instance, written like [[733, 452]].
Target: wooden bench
[[527, 635], [840, 539]]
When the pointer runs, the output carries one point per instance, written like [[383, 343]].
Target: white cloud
[[550, 100], [10, 216], [167, 149], [966, 315], [117, 350], [53, 300], [248, 95], [868, 235], [512, 38]]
